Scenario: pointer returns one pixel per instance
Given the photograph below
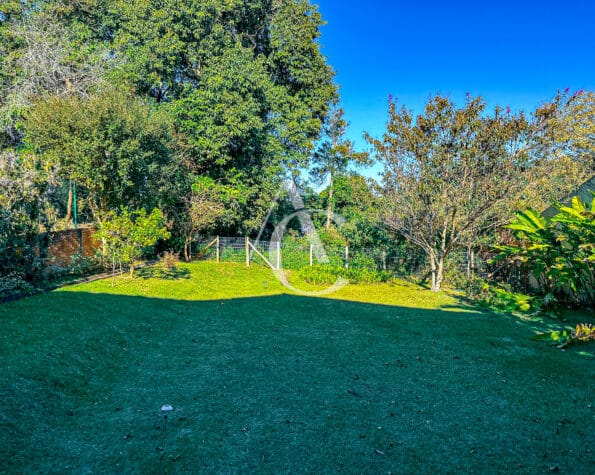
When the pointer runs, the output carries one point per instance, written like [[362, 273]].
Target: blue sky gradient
[[513, 53]]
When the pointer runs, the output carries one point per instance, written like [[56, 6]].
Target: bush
[[327, 274], [170, 260], [501, 298], [81, 266], [559, 253], [15, 284], [362, 261], [295, 252], [229, 254], [321, 274], [127, 235], [583, 332]]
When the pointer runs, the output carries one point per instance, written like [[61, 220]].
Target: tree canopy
[[448, 171], [240, 88]]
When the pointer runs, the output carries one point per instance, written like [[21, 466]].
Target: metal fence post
[[383, 259], [217, 250], [278, 255], [346, 257], [311, 254]]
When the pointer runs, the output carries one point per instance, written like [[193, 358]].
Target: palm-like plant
[[560, 253]]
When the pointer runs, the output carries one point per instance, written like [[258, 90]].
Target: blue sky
[[513, 53]]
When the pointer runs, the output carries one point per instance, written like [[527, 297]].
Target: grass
[[378, 378]]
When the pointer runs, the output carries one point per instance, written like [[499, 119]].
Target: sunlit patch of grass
[[206, 281]]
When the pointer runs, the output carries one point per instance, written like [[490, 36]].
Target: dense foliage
[[455, 175], [126, 235], [559, 253], [139, 103]]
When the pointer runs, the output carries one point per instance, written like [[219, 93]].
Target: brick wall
[[62, 245]]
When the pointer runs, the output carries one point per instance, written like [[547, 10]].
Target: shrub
[[126, 235], [321, 274], [362, 261], [170, 260], [80, 265], [501, 298], [14, 284], [229, 254], [560, 253], [583, 332], [295, 252], [327, 274]]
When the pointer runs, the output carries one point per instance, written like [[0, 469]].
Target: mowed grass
[[375, 379]]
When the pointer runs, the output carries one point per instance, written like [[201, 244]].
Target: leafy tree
[[112, 144], [334, 157], [563, 145], [448, 172], [244, 80], [569, 128], [298, 67], [182, 47], [356, 199], [41, 58], [128, 234]]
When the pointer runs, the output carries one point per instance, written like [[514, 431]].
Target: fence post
[[383, 259], [217, 250], [311, 254], [247, 244], [278, 255], [346, 257]]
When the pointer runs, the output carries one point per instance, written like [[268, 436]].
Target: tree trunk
[[437, 264], [329, 206], [104, 248], [187, 255], [69, 205]]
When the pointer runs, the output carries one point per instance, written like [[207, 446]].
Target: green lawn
[[380, 378]]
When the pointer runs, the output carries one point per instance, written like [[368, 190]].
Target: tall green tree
[[112, 144], [563, 144], [244, 82], [334, 157], [569, 127]]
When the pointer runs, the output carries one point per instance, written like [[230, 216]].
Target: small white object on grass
[[165, 409]]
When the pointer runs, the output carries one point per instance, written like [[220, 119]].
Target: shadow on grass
[[278, 384], [159, 272], [540, 322]]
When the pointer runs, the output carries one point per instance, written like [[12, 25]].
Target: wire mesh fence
[[297, 254]]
